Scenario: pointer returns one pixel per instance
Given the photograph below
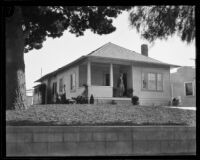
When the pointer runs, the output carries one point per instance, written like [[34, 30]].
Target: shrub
[[130, 92], [91, 99], [113, 102], [135, 100], [63, 99], [175, 102], [81, 100]]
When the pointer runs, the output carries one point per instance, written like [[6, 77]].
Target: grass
[[105, 114]]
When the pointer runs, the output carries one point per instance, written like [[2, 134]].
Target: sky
[[61, 51]]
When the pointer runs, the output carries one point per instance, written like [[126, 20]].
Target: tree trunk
[[15, 67]]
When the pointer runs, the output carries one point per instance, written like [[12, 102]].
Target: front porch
[[102, 80]]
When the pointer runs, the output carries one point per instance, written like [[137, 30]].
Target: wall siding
[[152, 97], [146, 97]]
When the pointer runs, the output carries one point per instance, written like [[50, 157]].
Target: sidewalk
[[186, 108]]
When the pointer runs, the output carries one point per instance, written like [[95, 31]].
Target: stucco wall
[[151, 97], [100, 140], [184, 74]]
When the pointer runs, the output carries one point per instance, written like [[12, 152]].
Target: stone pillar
[[111, 75]]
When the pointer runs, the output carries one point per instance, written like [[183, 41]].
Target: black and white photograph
[[100, 80]]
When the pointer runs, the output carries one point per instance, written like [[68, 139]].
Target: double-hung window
[[188, 89], [152, 81], [72, 82], [61, 85]]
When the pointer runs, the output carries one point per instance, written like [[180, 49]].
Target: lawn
[[101, 114]]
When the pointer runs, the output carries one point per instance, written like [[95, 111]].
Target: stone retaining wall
[[99, 140]]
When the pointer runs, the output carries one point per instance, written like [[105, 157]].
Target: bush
[[91, 99], [63, 99], [81, 100], [135, 100], [175, 102], [113, 102], [130, 92]]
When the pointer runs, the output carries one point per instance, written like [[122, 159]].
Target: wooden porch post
[[111, 75], [132, 78], [89, 73], [88, 79]]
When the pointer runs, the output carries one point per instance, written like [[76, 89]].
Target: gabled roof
[[110, 50]]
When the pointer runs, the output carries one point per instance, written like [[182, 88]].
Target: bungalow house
[[100, 71], [183, 85]]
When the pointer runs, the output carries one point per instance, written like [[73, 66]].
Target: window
[[72, 81], [54, 90], [61, 85], [144, 81], [159, 82], [152, 81], [188, 89]]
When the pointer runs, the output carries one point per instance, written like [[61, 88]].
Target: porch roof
[[111, 51]]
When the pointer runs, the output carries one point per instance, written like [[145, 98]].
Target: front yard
[[104, 114]]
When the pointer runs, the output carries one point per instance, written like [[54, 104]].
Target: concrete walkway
[[186, 108]]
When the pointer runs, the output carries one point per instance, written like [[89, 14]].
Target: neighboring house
[[183, 83], [39, 94], [100, 71], [29, 97]]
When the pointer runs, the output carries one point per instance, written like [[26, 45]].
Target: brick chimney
[[144, 50]]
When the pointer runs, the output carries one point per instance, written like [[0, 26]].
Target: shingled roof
[[110, 50]]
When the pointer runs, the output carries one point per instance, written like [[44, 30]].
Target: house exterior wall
[[146, 97], [184, 74], [66, 81], [152, 97]]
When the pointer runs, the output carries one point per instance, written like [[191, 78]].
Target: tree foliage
[[160, 22], [40, 22]]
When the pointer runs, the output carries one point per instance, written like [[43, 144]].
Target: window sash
[[72, 81], [152, 81], [61, 85], [189, 89]]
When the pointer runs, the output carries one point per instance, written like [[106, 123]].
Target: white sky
[[61, 51]]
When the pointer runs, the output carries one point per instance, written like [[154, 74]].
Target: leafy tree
[[160, 22], [28, 27]]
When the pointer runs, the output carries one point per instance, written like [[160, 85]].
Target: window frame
[[156, 81], [72, 88], [185, 89], [61, 86]]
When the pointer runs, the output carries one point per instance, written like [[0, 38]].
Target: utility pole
[[41, 72]]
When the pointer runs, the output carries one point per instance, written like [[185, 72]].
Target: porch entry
[[105, 79], [122, 79]]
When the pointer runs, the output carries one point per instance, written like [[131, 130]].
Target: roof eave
[[60, 69]]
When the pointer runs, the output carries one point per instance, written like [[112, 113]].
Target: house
[[100, 71], [183, 85]]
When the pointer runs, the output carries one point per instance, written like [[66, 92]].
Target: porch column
[[89, 73], [132, 78], [111, 75]]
